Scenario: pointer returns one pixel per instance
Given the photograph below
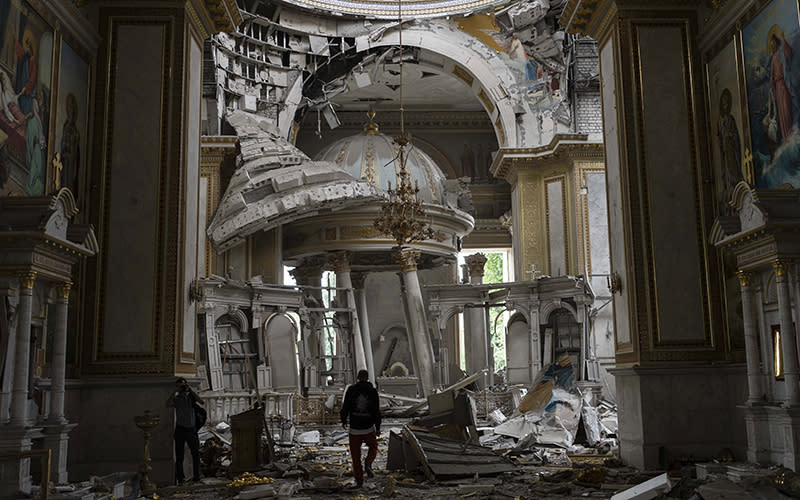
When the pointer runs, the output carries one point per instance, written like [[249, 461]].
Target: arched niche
[[280, 341], [392, 348], [518, 352]]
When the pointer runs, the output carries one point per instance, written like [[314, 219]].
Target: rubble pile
[[556, 443]]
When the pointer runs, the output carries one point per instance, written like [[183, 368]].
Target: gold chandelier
[[402, 216]]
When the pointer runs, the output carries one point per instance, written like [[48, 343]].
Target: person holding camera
[[183, 400]]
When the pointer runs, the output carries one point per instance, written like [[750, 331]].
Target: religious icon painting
[[771, 49], [71, 120], [26, 68], [727, 126]]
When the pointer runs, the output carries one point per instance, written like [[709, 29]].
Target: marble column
[[58, 365], [418, 326], [407, 316], [477, 334], [363, 320], [19, 391], [754, 389], [788, 344], [341, 264]]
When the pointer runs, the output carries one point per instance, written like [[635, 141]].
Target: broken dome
[[275, 183]]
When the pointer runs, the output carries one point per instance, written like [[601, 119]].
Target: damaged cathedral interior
[[559, 238]]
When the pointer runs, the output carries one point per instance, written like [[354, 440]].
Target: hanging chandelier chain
[[402, 216], [400, 26]]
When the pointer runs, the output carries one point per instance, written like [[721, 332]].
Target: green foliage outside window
[[493, 273]]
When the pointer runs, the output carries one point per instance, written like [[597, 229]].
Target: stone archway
[[481, 68]]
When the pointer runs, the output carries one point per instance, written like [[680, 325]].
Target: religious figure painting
[[71, 120], [26, 60], [727, 146], [771, 44]]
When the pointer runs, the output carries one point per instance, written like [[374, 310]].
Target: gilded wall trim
[[463, 74], [159, 358], [650, 315], [562, 180], [625, 352], [584, 203]]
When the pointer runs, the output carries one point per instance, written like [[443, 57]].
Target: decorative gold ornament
[[58, 166], [63, 289], [407, 257], [747, 167], [779, 265], [744, 278], [340, 261], [26, 279]]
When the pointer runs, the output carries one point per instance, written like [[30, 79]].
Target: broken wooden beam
[[439, 458], [458, 385]]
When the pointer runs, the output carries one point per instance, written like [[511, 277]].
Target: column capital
[[26, 279], [340, 261], [63, 289], [358, 278], [309, 272], [744, 278], [476, 263], [407, 257], [781, 267]]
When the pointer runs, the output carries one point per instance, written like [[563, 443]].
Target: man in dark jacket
[[183, 399], [361, 405]]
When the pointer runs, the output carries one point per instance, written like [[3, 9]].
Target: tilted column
[[58, 365], [755, 391], [788, 345], [341, 264], [19, 393], [416, 314], [478, 337], [309, 274], [363, 320], [407, 316]]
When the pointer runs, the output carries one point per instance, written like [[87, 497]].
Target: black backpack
[[200, 416]]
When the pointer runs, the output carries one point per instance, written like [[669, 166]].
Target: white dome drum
[[374, 157]]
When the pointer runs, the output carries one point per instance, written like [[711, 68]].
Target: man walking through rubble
[[183, 400], [361, 405]]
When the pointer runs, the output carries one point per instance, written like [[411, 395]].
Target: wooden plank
[[418, 451], [452, 470], [442, 457]]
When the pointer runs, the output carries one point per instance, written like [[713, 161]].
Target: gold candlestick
[[146, 423]]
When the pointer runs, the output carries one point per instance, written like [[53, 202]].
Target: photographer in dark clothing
[[183, 400], [362, 407]]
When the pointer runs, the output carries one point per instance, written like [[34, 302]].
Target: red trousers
[[355, 452]]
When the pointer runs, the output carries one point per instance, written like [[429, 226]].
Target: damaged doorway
[[562, 335]]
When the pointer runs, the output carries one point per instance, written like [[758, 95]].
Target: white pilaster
[[788, 348], [19, 392]]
